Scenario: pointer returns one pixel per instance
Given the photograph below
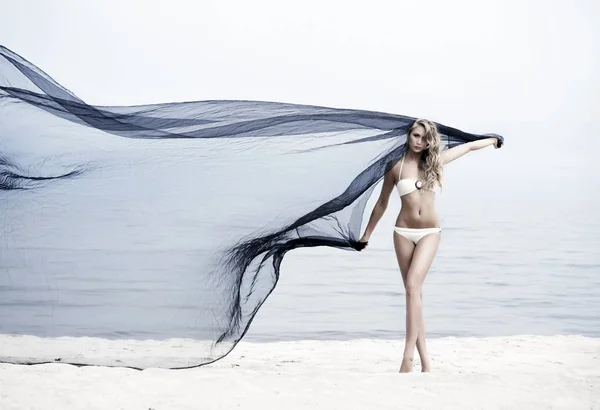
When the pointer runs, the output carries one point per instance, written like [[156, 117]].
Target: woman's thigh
[[404, 253], [422, 259]]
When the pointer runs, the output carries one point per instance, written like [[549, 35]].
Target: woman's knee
[[413, 288]]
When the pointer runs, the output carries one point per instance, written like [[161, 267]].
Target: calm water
[[516, 257], [519, 259]]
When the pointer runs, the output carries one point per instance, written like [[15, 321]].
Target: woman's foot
[[407, 365], [425, 366]]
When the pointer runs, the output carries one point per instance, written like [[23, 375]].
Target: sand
[[517, 372]]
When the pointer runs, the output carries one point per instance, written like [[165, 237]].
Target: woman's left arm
[[451, 154]]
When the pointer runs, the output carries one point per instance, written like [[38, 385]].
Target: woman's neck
[[414, 156]]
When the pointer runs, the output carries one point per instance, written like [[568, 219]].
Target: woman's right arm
[[389, 180]]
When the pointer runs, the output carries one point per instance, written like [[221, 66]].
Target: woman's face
[[416, 139]]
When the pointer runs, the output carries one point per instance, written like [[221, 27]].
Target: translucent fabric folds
[[156, 232]]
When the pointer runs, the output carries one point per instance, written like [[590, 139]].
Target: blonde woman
[[417, 232]]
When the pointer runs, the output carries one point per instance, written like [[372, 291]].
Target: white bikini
[[406, 186]]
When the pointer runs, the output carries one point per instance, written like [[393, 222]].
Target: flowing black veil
[[156, 232]]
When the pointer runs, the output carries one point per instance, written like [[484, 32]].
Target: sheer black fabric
[[157, 231]]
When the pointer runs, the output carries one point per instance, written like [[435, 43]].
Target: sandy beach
[[525, 372]]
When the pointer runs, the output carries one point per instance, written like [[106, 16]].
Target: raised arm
[[389, 180], [451, 154]]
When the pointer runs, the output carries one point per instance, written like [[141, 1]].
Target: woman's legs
[[414, 262], [404, 253]]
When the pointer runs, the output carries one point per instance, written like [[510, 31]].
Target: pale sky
[[523, 69]]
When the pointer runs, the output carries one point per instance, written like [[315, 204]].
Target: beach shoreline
[[529, 372]]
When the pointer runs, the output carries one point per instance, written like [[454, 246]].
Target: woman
[[417, 231]]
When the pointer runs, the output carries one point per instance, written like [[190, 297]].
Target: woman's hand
[[362, 243], [497, 143]]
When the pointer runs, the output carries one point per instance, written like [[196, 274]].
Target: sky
[[524, 69]]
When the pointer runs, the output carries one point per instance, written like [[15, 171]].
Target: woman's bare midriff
[[418, 211]]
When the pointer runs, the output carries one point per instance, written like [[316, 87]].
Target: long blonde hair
[[431, 163]]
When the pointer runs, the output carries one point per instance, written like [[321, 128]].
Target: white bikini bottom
[[415, 234]]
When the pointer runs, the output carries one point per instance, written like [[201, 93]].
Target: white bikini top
[[407, 185]]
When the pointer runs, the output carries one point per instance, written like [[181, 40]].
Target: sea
[[519, 254]]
